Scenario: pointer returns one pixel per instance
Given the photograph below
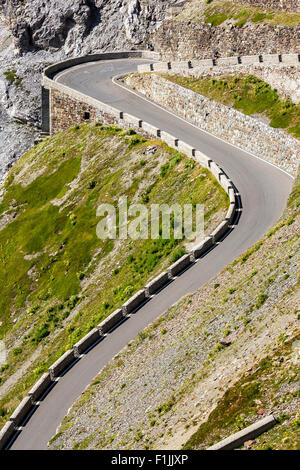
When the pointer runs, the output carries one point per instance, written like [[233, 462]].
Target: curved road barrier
[[112, 320], [251, 432], [87, 341], [264, 189], [40, 387], [21, 411]]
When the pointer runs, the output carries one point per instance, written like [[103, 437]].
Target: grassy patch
[[216, 18], [12, 77], [217, 12]]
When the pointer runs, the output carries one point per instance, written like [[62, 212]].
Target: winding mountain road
[[264, 191]]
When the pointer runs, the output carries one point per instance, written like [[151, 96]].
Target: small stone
[[225, 342], [249, 443], [150, 150]]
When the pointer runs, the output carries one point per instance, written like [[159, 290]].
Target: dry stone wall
[[236, 128], [281, 71], [66, 111], [178, 40]]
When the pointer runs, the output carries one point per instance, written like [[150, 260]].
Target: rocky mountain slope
[[199, 28], [17, 100], [36, 33], [81, 26]]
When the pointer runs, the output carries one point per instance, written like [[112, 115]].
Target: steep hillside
[[274, 385], [58, 279], [223, 356]]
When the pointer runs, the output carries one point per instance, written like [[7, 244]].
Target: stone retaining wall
[[281, 71], [178, 40], [66, 111], [236, 128]]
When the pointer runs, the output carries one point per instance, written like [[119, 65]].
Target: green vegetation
[[216, 18], [248, 94], [58, 279], [12, 77], [216, 12], [165, 407]]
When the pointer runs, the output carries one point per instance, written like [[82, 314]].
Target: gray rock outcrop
[[35, 33], [80, 26]]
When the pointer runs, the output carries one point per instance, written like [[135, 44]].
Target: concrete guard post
[[179, 265], [156, 284], [221, 229], [62, 363], [135, 301], [6, 434], [21, 411], [112, 320], [40, 387], [251, 432], [198, 250], [86, 342]]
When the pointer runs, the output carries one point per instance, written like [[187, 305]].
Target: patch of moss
[[216, 19]]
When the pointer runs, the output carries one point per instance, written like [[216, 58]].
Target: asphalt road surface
[[264, 191]]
